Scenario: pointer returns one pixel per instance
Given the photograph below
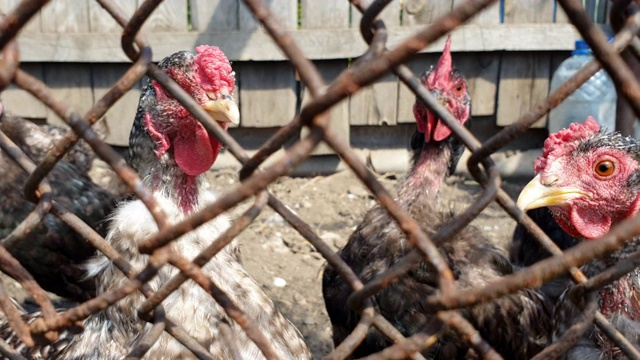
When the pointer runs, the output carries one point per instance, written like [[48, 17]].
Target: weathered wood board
[[318, 44], [481, 72], [267, 92], [169, 16], [119, 117], [419, 12], [33, 26], [375, 105], [102, 23], [523, 83], [524, 78], [481, 69], [560, 16], [69, 82], [329, 14], [15, 100], [21, 103], [267, 96], [490, 15], [390, 15], [214, 15], [74, 46], [285, 10], [326, 14], [339, 113], [406, 98]]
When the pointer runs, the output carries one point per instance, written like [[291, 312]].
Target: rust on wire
[[572, 335], [150, 338], [14, 21], [10, 310], [9, 64], [620, 73], [375, 62], [223, 240]]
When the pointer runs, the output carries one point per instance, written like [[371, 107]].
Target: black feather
[[52, 252]]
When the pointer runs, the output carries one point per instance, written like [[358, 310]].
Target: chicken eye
[[605, 168], [459, 89]]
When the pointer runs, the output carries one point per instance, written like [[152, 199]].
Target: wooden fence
[[508, 54]]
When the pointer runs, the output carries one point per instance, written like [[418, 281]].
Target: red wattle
[[590, 223], [195, 151], [418, 115], [567, 227], [436, 129], [441, 131]]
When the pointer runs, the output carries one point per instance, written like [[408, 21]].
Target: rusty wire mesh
[[377, 62]]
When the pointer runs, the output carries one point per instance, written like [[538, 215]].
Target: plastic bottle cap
[[582, 48]]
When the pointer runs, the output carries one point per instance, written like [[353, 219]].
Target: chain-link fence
[[377, 62]]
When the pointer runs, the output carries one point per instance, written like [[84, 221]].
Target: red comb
[[215, 67], [557, 143], [442, 71]]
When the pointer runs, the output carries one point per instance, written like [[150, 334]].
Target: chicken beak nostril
[[224, 109], [549, 180]]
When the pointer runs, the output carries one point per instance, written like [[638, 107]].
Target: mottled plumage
[[171, 152], [52, 252], [516, 325], [590, 180]]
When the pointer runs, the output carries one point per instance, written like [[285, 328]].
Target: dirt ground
[[333, 206], [289, 269]]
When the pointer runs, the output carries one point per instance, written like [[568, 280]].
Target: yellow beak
[[536, 195], [223, 109]]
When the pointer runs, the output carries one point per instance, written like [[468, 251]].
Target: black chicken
[[52, 252], [526, 250], [516, 325], [590, 180]]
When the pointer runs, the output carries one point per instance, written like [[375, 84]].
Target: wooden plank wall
[[13, 98], [503, 84], [333, 14]]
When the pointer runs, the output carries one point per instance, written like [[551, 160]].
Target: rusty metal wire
[[375, 63]]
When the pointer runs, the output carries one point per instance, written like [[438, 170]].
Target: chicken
[[52, 252], [378, 243], [525, 250], [172, 151], [590, 181]]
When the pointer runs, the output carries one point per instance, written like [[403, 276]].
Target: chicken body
[[171, 151], [112, 334], [517, 325], [591, 181], [52, 252], [525, 250]]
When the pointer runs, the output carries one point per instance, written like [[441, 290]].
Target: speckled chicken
[[590, 180], [52, 252], [172, 152], [516, 325]]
